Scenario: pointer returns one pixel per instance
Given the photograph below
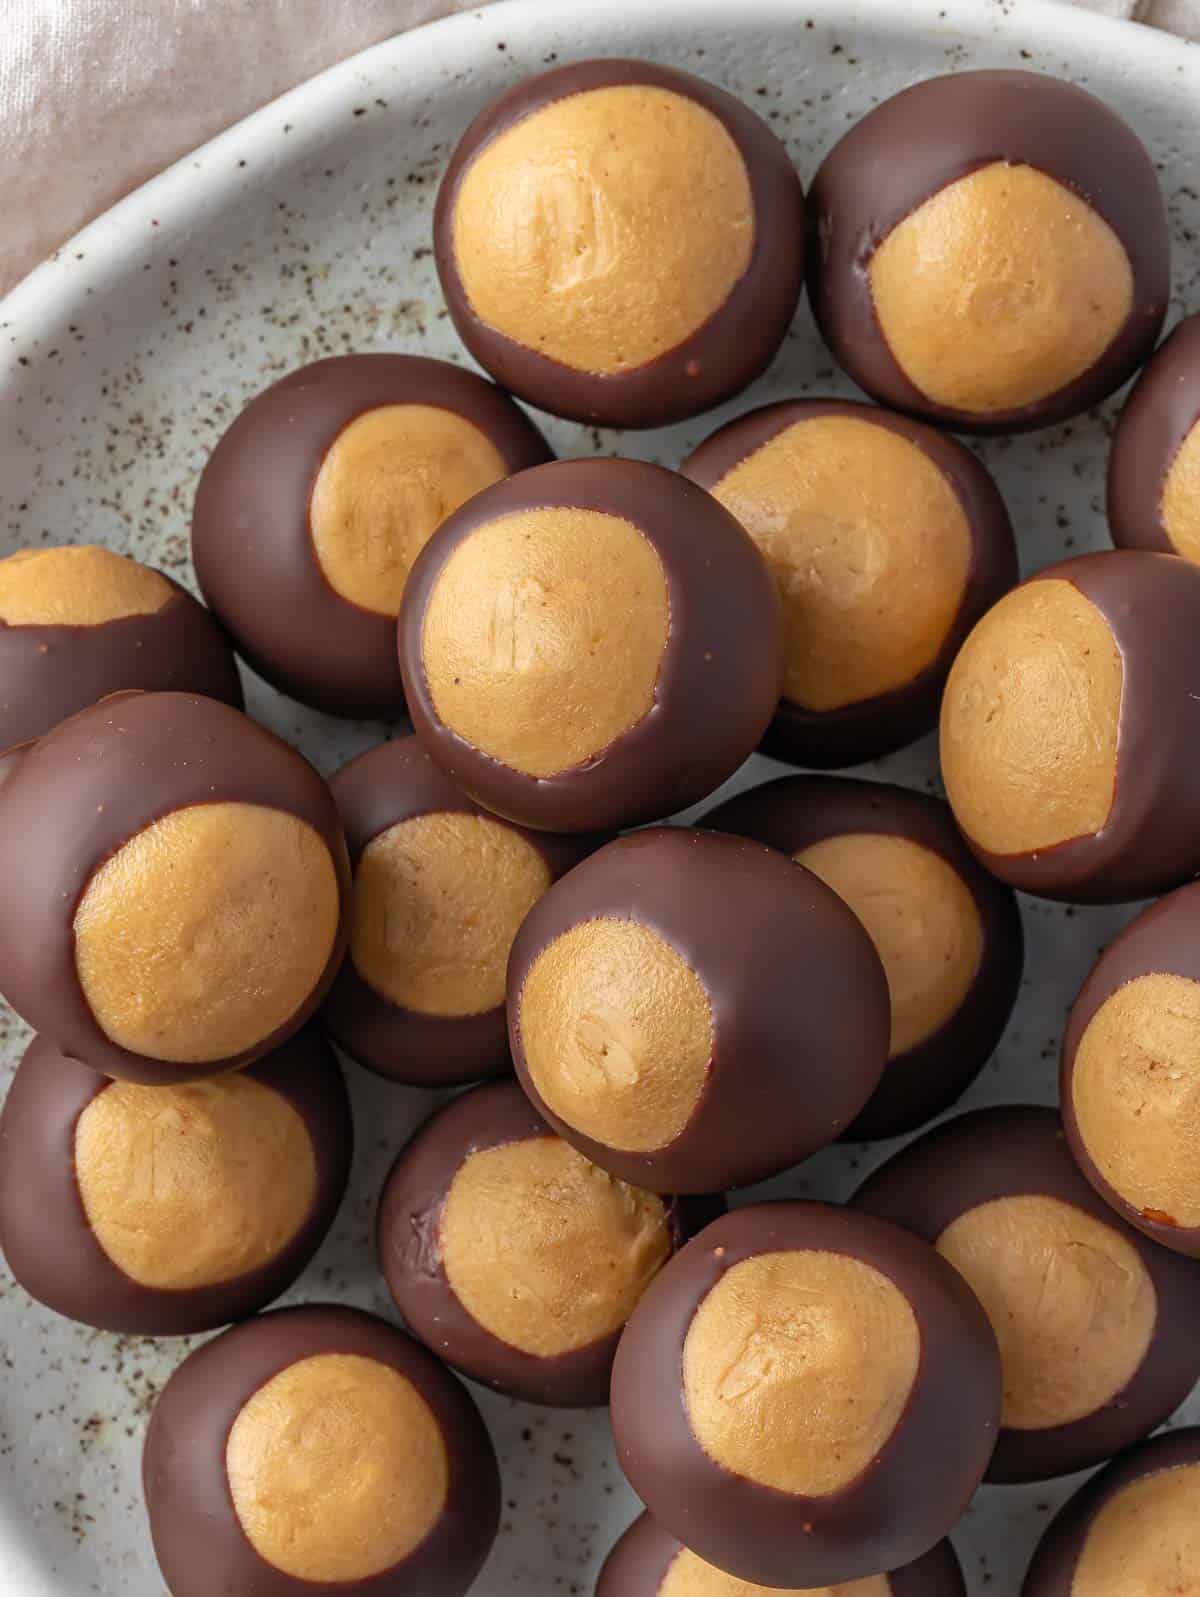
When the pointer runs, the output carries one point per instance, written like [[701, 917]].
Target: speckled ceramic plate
[[305, 232]]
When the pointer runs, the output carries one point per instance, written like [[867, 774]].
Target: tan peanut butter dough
[[797, 1368], [337, 1468], [1145, 1541], [1000, 290], [1031, 721], [207, 931], [920, 916], [387, 483], [1181, 498], [544, 634], [1072, 1305], [1135, 1090], [438, 900], [188, 1186], [77, 586], [690, 1576], [606, 228], [870, 549], [546, 1250], [617, 1031]]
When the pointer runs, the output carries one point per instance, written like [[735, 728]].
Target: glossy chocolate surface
[[198, 1539], [1159, 414], [81, 793], [718, 683], [902, 1504], [723, 355], [252, 541], [389, 784], [44, 1230], [794, 812], [1009, 1152], [871, 728], [928, 136], [410, 1213]]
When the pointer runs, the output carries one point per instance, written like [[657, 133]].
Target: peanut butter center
[[77, 586], [690, 1576], [1181, 498], [1145, 1541]]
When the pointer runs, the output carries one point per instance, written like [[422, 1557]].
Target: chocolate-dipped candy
[[440, 890], [162, 1211], [80, 622], [887, 542], [1132, 1529], [650, 1023], [1095, 1323], [649, 1562], [620, 242], [1131, 1073], [176, 878], [1068, 730], [591, 644], [514, 1258], [1154, 463], [989, 250], [806, 1395], [949, 935], [318, 1449], [317, 500]]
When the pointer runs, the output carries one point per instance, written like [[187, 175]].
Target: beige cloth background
[[97, 95]]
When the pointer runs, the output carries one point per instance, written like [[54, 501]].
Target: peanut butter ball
[[177, 881], [163, 1211], [1154, 463], [319, 497], [590, 644], [620, 242], [989, 250], [1068, 730]]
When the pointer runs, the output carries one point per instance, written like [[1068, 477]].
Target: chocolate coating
[[1162, 940], [724, 653], [1007, 1152], [410, 1213], [638, 1565], [1052, 1572], [794, 812], [198, 1540], [873, 727], [901, 1504], [49, 672], [79, 795], [1150, 842], [930, 135], [251, 539], [793, 1062], [723, 355], [44, 1229], [1160, 412], [375, 791]]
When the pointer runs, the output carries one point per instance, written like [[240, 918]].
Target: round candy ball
[[620, 243], [1131, 1073], [319, 497], [1134, 1527], [807, 1395], [887, 542], [440, 890], [989, 250], [318, 1448], [1068, 739], [1154, 463], [1094, 1322], [949, 935], [591, 644], [176, 880], [649, 1562], [652, 1025], [162, 1211], [80, 622], [513, 1257]]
